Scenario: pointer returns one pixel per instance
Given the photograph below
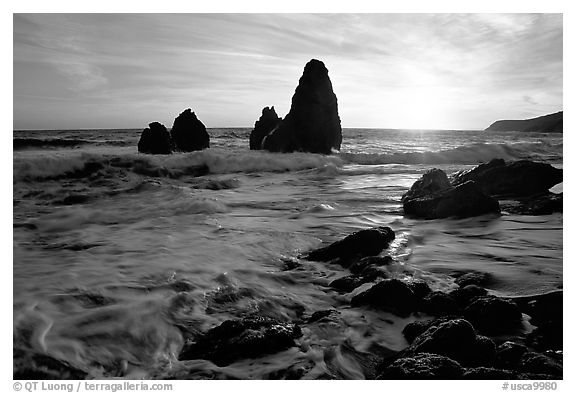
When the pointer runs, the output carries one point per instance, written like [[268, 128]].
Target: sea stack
[[266, 124], [155, 140], [313, 124], [189, 133]]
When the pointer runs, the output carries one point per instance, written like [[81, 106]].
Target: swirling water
[[112, 267]]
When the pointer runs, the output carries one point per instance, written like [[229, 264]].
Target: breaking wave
[[218, 161]]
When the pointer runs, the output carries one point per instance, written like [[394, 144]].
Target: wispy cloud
[[388, 70]]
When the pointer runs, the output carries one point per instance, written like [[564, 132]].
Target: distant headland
[[547, 123]]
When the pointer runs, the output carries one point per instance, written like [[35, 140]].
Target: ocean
[[118, 254]]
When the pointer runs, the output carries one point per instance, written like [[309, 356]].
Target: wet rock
[[515, 178], [373, 273], [347, 284], [34, 366], [457, 340], [358, 266], [464, 200], [265, 125], [538, 206], [419, 287], [189, 133], [439, 304], [494, 315], [367, 242], [241, 339], [432, 181], [486, 373], [390, 295], [508, 354], [464, 296], [155, 140], [532, 362], [313, 124], [414, 329], [423, 366], [322, 315], [481, 279]]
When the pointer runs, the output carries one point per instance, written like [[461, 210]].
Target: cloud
[[385, 68]]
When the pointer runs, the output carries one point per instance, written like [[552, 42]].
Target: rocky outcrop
[[457, 340], [367, 242], [389, 295], [155, 140], [494, 315], [522, 186], [313, 124], [188, 133], [242, 339], [548, 123], [513, 179], [264, 126], [463, 200], [423, 366]]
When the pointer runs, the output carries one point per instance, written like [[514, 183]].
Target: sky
[[422, 71]]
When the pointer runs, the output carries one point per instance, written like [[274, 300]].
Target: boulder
[[439, 304], [423, 366], [481, 279], [189, 133], [457, 340], [265, 125], [313, 124], [508, 354], [494, 315], [249, 337], [466, 295], [432, 181], [536, 363], [416, 328], [155, 140], [390, 295], [367, 242], [538, 206], [347, 283], [488, 373], [464, 200], [513, 179]]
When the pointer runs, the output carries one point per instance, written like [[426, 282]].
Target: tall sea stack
[[313, 124], [189, 133]]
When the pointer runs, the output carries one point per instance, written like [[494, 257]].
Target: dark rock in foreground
[[540, 205], [536, 363], [313, 124], [488, 373], [514, 178], [464, 200], [548, 123], [155, 140], [188, 133], [457, 340], [423, 366], [431, 182], [508, 354], [265, 125], [390, 295], [367, 242], [440, 304], [493, 315], [240, 339]]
